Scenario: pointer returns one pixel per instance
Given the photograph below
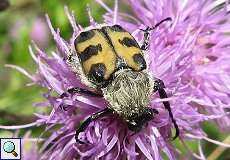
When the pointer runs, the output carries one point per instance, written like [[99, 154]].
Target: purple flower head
[[188, 53]]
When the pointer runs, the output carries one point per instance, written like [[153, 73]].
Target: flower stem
[[219, 150]]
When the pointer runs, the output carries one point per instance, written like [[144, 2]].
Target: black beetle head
[[137, 121]]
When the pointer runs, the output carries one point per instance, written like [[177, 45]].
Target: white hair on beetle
[[129, 92]]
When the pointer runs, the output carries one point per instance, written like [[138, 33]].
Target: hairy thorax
[[129, 92]]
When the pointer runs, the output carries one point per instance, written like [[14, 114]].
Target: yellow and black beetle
[[111, 61]]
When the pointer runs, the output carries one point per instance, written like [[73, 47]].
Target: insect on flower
[[109, 60]]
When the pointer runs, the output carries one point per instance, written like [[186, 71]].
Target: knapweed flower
[[189, 53]]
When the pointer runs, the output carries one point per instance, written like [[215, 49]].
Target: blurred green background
[[23, 21]]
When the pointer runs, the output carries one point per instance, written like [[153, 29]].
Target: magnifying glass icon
[[9, 147]]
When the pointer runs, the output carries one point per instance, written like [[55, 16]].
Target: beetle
[[109, 60]]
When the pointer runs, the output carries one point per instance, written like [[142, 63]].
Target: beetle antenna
[[145, 44], [159, 23]]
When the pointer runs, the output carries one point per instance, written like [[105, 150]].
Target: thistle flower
[[189, 54], [192, 52]]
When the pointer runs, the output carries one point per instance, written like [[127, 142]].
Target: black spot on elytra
[[139, 59], [117, 28], [129, 42], [97, 72], [84, 36], [90, 51]]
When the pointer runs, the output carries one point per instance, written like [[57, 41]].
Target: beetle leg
[[81, 91], [159, 86], [93, 117], [146, 31], [78, 90]]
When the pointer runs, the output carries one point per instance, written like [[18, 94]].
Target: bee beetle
[[111, 61]]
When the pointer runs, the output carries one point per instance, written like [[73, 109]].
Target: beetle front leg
[[93, 117]]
